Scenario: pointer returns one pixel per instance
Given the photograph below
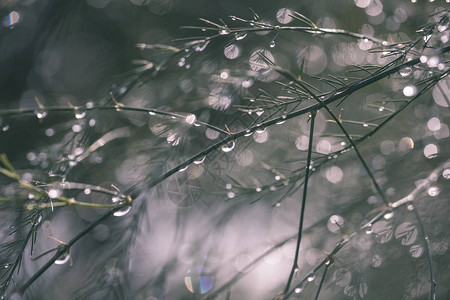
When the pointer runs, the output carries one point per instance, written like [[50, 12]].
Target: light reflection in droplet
[[64, 258], [11, 19], [228, 146], [198, 280]]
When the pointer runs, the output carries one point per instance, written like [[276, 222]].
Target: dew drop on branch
[[40, 114], [64, 258], [240, 36], [228, 146], [190, 119], [200, 160], [311, 277], [405, 71], [80, 114]]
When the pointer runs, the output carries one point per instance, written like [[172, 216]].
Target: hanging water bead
[[198, 280], [182, 62], [123, 211], [298, 290], [200, 160], [369, 229], [272, 44], [190, 119], [405, 71], [80, 114], [40, 114], [240, 36], [63, 258], [311, 277], [228, 146], [201, 46]]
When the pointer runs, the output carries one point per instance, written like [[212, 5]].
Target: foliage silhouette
[[141, 187]]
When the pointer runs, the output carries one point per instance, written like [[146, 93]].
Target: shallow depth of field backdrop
[[209, 117]]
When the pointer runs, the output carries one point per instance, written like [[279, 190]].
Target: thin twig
[[302, 209]]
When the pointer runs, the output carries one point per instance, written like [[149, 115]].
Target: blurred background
[[191, 234]]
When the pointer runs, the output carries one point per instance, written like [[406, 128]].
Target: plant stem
[[302, 209]]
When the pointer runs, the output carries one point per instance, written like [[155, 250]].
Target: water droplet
[[40, 114], [248, 133], [260, 112], [381, 108], [230, 195], [261, 130], [228, 146], [5, 127], [182, 62], [365, 125], [298, 290], [258, 189], [311, 277], [233, 18], [200, 160], [190, 119], [228, 186], [123, 211], [199, 280], [272, 44], [64, 258], [369, 229], [224, 32], [240, 36], [201, 46], [183, 169], [405, 71], [80, 114], [87, 191], [410, 207]]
